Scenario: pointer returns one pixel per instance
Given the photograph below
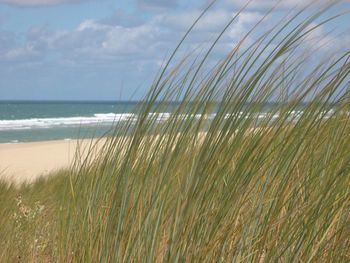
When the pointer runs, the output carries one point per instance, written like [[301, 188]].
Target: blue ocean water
[[41, 121], [37, 121]]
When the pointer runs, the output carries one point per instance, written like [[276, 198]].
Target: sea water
[[41, 121], [38, 121]]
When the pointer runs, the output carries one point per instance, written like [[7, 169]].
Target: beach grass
[[216, 181]]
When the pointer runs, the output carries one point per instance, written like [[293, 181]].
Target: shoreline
[[27, 161], [38, 141], [48, 141]]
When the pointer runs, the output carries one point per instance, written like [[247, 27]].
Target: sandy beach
[[27, 161]]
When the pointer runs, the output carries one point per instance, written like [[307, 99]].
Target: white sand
[[27, 161]]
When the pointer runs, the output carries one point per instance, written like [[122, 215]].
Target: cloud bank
[[105, 41], [124, 45]]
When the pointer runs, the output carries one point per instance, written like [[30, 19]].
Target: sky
[[113, 49]]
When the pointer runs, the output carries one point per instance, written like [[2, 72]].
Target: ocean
[[40, 121]]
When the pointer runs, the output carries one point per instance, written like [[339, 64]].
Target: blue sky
[[110, 50]]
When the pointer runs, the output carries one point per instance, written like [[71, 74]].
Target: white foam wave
[[110, 118], [45, 123]]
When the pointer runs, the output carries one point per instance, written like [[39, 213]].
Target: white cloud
[[91, 25], [130, 40], [266, 3], [211, 21], [92, 40], [20, 54], [95, 40], [130, 47], [102, 42], [12, 50]]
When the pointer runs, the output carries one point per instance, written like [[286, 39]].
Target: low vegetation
[[252, 165]]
